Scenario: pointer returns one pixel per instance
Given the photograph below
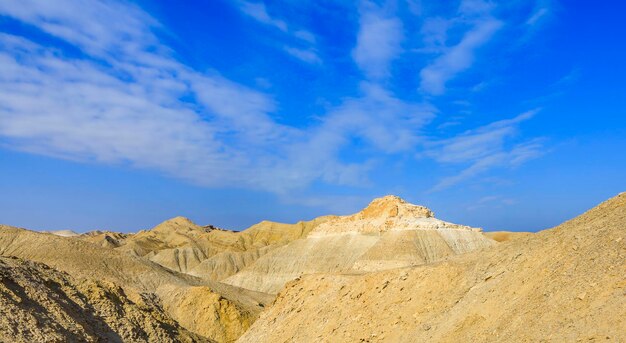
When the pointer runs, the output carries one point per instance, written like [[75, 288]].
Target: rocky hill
[[41, 304], [203, 251], [389, 233], [566, 284], [210, 309], [389, 273]]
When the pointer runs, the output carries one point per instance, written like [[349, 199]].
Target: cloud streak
[[459, 57], [484, 148], [306, 55], [130, 104], [258, 11], [309, 54], [124, 98], [378, 40]]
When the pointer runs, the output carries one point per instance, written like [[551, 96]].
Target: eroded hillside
[[390, 273], [41, 304], [566, 284], [389, 233], [210, 309]]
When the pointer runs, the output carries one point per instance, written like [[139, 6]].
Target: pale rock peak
[[389, 213], [394, 206]]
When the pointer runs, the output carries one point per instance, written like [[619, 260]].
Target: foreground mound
[[389, 233], [210, 309], [40, 304], [561, 285]]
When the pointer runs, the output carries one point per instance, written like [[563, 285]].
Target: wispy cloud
[[128, 103], [542, 10], [382, 121], [309, 53], [378, 41], [125, 98], [537, 15], [305, 36], [130, 109], [484, 148], [434, 33], [459, 57], [258, 11]]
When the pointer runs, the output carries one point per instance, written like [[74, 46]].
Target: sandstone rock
[[389, 233]]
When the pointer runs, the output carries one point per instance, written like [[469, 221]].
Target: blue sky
[[507, 115]]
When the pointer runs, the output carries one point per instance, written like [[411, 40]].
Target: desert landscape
[[282, 171], [389, 273]]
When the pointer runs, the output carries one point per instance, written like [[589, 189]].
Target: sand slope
[[503, 236], [566, 284]]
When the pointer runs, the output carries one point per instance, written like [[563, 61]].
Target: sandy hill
[[566, 284], [178, 261], [389, 233], [41, 304], [106, 239], [204, 251], [210, 309]]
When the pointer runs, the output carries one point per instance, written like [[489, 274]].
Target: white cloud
[[305, 36], [129, 109], [415, 7], [452, 60], [307, 55], [458, 58], [78, 110], [123, 102], [483, 149], [434, 33], [383, 122], [259, 12], [378, 41], [475, 7], [537, 15], [543, 9]]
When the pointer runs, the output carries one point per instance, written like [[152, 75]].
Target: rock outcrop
[[41, 304], [389, 233]]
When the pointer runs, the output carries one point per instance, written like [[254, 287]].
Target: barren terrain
[[389, 273]]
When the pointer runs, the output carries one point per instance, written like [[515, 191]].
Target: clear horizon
[[118, 115]]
